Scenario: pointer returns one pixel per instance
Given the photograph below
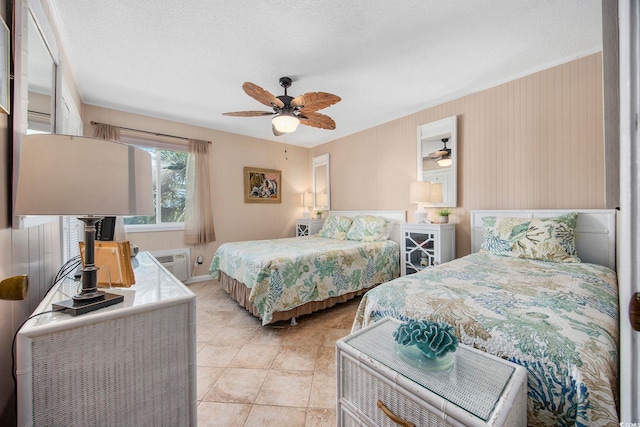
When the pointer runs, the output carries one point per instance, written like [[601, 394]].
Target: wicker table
[[130, 364], [375, 384]]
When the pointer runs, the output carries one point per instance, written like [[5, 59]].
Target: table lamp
[[420, 192], [90, 177], [436, 193]]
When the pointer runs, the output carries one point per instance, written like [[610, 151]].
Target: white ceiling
[[186, 60]]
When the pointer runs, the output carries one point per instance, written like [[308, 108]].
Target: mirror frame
[[22, 10], [441, 128], [318, 161]]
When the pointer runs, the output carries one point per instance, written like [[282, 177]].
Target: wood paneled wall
[[533, 143]]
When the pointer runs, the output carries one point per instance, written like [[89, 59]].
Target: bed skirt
[[239, 292]]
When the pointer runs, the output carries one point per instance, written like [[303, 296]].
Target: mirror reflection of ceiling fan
[[443, 155], [289, 111]]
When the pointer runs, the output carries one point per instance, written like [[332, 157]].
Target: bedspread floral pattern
[[559, 321], [287, 273]]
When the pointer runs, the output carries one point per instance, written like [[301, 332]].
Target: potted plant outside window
[[444, 215]]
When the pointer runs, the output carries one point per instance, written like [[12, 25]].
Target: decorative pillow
[[545, 239], [335, 227], [369, 228]]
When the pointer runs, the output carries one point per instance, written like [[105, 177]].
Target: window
[[169, 181]]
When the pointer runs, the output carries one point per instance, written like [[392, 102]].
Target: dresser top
[[475, 382], [154, 285]]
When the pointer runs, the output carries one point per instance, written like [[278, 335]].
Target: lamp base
[[74, 307]]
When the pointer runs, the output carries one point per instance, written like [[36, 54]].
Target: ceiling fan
[[443, 155], [289, 111]]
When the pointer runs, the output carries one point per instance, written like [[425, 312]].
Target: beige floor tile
[[255, 356], [296, 358], [215, 414], [244, 318], [330, 336], [237, 385], [217, 355], [207, 315], [206, 376], [326, 361], [269, 335], [321, 418], [286, 388], [303, 337], [200, 345], [233, 335], [276, 416], [206, 331], [323, 391]]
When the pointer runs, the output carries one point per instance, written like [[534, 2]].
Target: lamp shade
[[419, 192], [285, 122], [307, 200], [321, 200], [436, 192], [72, 175]]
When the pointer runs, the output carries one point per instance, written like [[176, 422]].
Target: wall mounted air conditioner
[[176, 261]]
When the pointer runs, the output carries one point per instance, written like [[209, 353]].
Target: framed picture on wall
[[5, 48], [262, 185]]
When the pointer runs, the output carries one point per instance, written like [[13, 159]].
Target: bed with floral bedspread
[[558, 320], [282, 274]]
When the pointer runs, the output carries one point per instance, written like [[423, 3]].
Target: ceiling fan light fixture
[[285, 122], [445, 162]]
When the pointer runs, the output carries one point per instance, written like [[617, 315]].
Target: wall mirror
[[321, 183], [36, 83], [438, 160]]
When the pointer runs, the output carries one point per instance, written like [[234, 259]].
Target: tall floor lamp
[[72, 175]]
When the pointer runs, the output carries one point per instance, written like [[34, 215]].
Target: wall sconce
[[14, 288], [420, 192], [307, 202], [72, 175]]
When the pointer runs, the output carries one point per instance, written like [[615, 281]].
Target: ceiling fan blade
[[249, 113], [262, 96], [313, 101], [317, 120], [275, 131], [437, 154]]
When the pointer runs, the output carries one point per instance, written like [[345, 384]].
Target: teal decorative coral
[[433, 339]]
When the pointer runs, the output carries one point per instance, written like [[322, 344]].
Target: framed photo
[[262, 185], [5, 41]]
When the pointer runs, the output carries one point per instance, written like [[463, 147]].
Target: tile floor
[[259, 376]]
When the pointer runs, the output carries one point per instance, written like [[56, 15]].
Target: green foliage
[[445, 212]]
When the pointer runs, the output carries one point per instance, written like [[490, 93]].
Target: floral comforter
[[287, 273], [559, 321]]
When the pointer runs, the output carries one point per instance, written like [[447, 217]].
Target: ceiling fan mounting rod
[[285, 82]]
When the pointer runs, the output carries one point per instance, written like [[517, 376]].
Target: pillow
[[335, 227], [544, 239], [369, 228]]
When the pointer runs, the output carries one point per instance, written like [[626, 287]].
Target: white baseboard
[[197, 279]]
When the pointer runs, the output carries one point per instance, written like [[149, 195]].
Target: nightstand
[[307, 227], [376, 385], [426, 245]]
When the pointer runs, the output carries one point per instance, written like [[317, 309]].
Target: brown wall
[[229, 154], [533, 143]]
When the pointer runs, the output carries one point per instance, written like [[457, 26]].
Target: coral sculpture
[[433, 339]]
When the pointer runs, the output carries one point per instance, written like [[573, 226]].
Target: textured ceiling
[[186, 60]]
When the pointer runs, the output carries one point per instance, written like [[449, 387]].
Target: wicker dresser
[[478, 390], [130, 364]]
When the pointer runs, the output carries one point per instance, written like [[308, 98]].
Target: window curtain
[[198, 223], [112, 133]]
